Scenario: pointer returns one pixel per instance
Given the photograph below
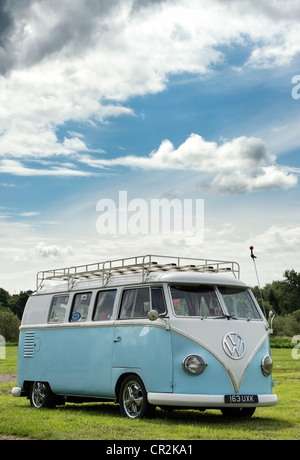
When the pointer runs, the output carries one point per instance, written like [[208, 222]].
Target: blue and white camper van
[[146, 331]]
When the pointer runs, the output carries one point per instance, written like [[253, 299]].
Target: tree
[[290, 298], [4, 297], [283, 297], [273, 301], [17, 303], [9, 326]]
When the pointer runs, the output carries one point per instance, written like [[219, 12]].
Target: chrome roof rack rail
[[142, 265]]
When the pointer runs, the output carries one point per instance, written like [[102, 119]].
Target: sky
[[161, 99]]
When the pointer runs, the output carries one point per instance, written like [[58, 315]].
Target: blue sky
[[164, 99]]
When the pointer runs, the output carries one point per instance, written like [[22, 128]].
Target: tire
[[238, 412], [41, 396], [133, 399]]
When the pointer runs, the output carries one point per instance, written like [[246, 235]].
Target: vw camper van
[[146, 331]]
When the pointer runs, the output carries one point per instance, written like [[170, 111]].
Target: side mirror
[[152, 315], [271, 318]]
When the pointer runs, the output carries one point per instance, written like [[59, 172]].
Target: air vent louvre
[[29, 343]]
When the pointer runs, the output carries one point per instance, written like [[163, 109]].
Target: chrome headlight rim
[[194, 364], [267, 365]]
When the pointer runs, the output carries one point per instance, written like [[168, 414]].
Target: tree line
[[282, 297], [11, 311]]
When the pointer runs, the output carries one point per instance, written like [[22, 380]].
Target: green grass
[[103, 421], [9, 365]]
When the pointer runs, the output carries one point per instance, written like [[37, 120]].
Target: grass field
[[102, 421]]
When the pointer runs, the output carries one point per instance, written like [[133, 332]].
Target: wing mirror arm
[[271, 318], [153, 315]]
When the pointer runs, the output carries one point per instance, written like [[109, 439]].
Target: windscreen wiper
[[226, 316]]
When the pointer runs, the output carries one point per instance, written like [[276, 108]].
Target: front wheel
[[133, 398], [41, 395]]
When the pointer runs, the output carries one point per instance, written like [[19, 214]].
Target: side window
[[135, 303], [58, 309], [104, 305], [80, 308], [158, 300]]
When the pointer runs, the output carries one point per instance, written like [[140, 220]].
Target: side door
[[82, 366], [142, 346]]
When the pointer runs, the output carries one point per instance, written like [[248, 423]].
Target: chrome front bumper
[[211, 401]]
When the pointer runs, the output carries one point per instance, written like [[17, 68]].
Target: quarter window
[[81, 305], [158, 300], [58, 309], [104, 305]]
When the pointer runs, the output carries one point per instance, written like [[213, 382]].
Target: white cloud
[[280, 238], [18, 169], [29, 214], [238, 166], [52, 251], [44, 251], [265, 178], [274, 248], [82, 60], [5, 184], [198, 154]]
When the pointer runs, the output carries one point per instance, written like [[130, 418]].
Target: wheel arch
[[122, 377]]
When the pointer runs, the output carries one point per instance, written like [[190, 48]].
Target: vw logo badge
[[233, 345]]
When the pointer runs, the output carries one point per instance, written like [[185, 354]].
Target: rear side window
[[80, 308], [58, 309], [104, 305]]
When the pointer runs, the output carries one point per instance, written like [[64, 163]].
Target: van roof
[[170, 277], [138, 270], [198, 278]]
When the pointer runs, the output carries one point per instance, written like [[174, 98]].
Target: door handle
[[117, 339]]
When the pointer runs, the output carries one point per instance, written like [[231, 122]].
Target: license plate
[[239, 399]]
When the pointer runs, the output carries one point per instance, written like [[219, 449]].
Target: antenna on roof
[[261, 296]]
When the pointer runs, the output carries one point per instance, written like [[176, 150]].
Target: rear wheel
[[41, 395], [133, 398]]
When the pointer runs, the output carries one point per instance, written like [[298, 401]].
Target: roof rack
[[141, 265]]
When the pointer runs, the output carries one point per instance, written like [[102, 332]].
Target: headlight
[[194, 364], [266, 365]]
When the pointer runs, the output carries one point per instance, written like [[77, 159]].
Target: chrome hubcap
[[38, 394], [133, 399]]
